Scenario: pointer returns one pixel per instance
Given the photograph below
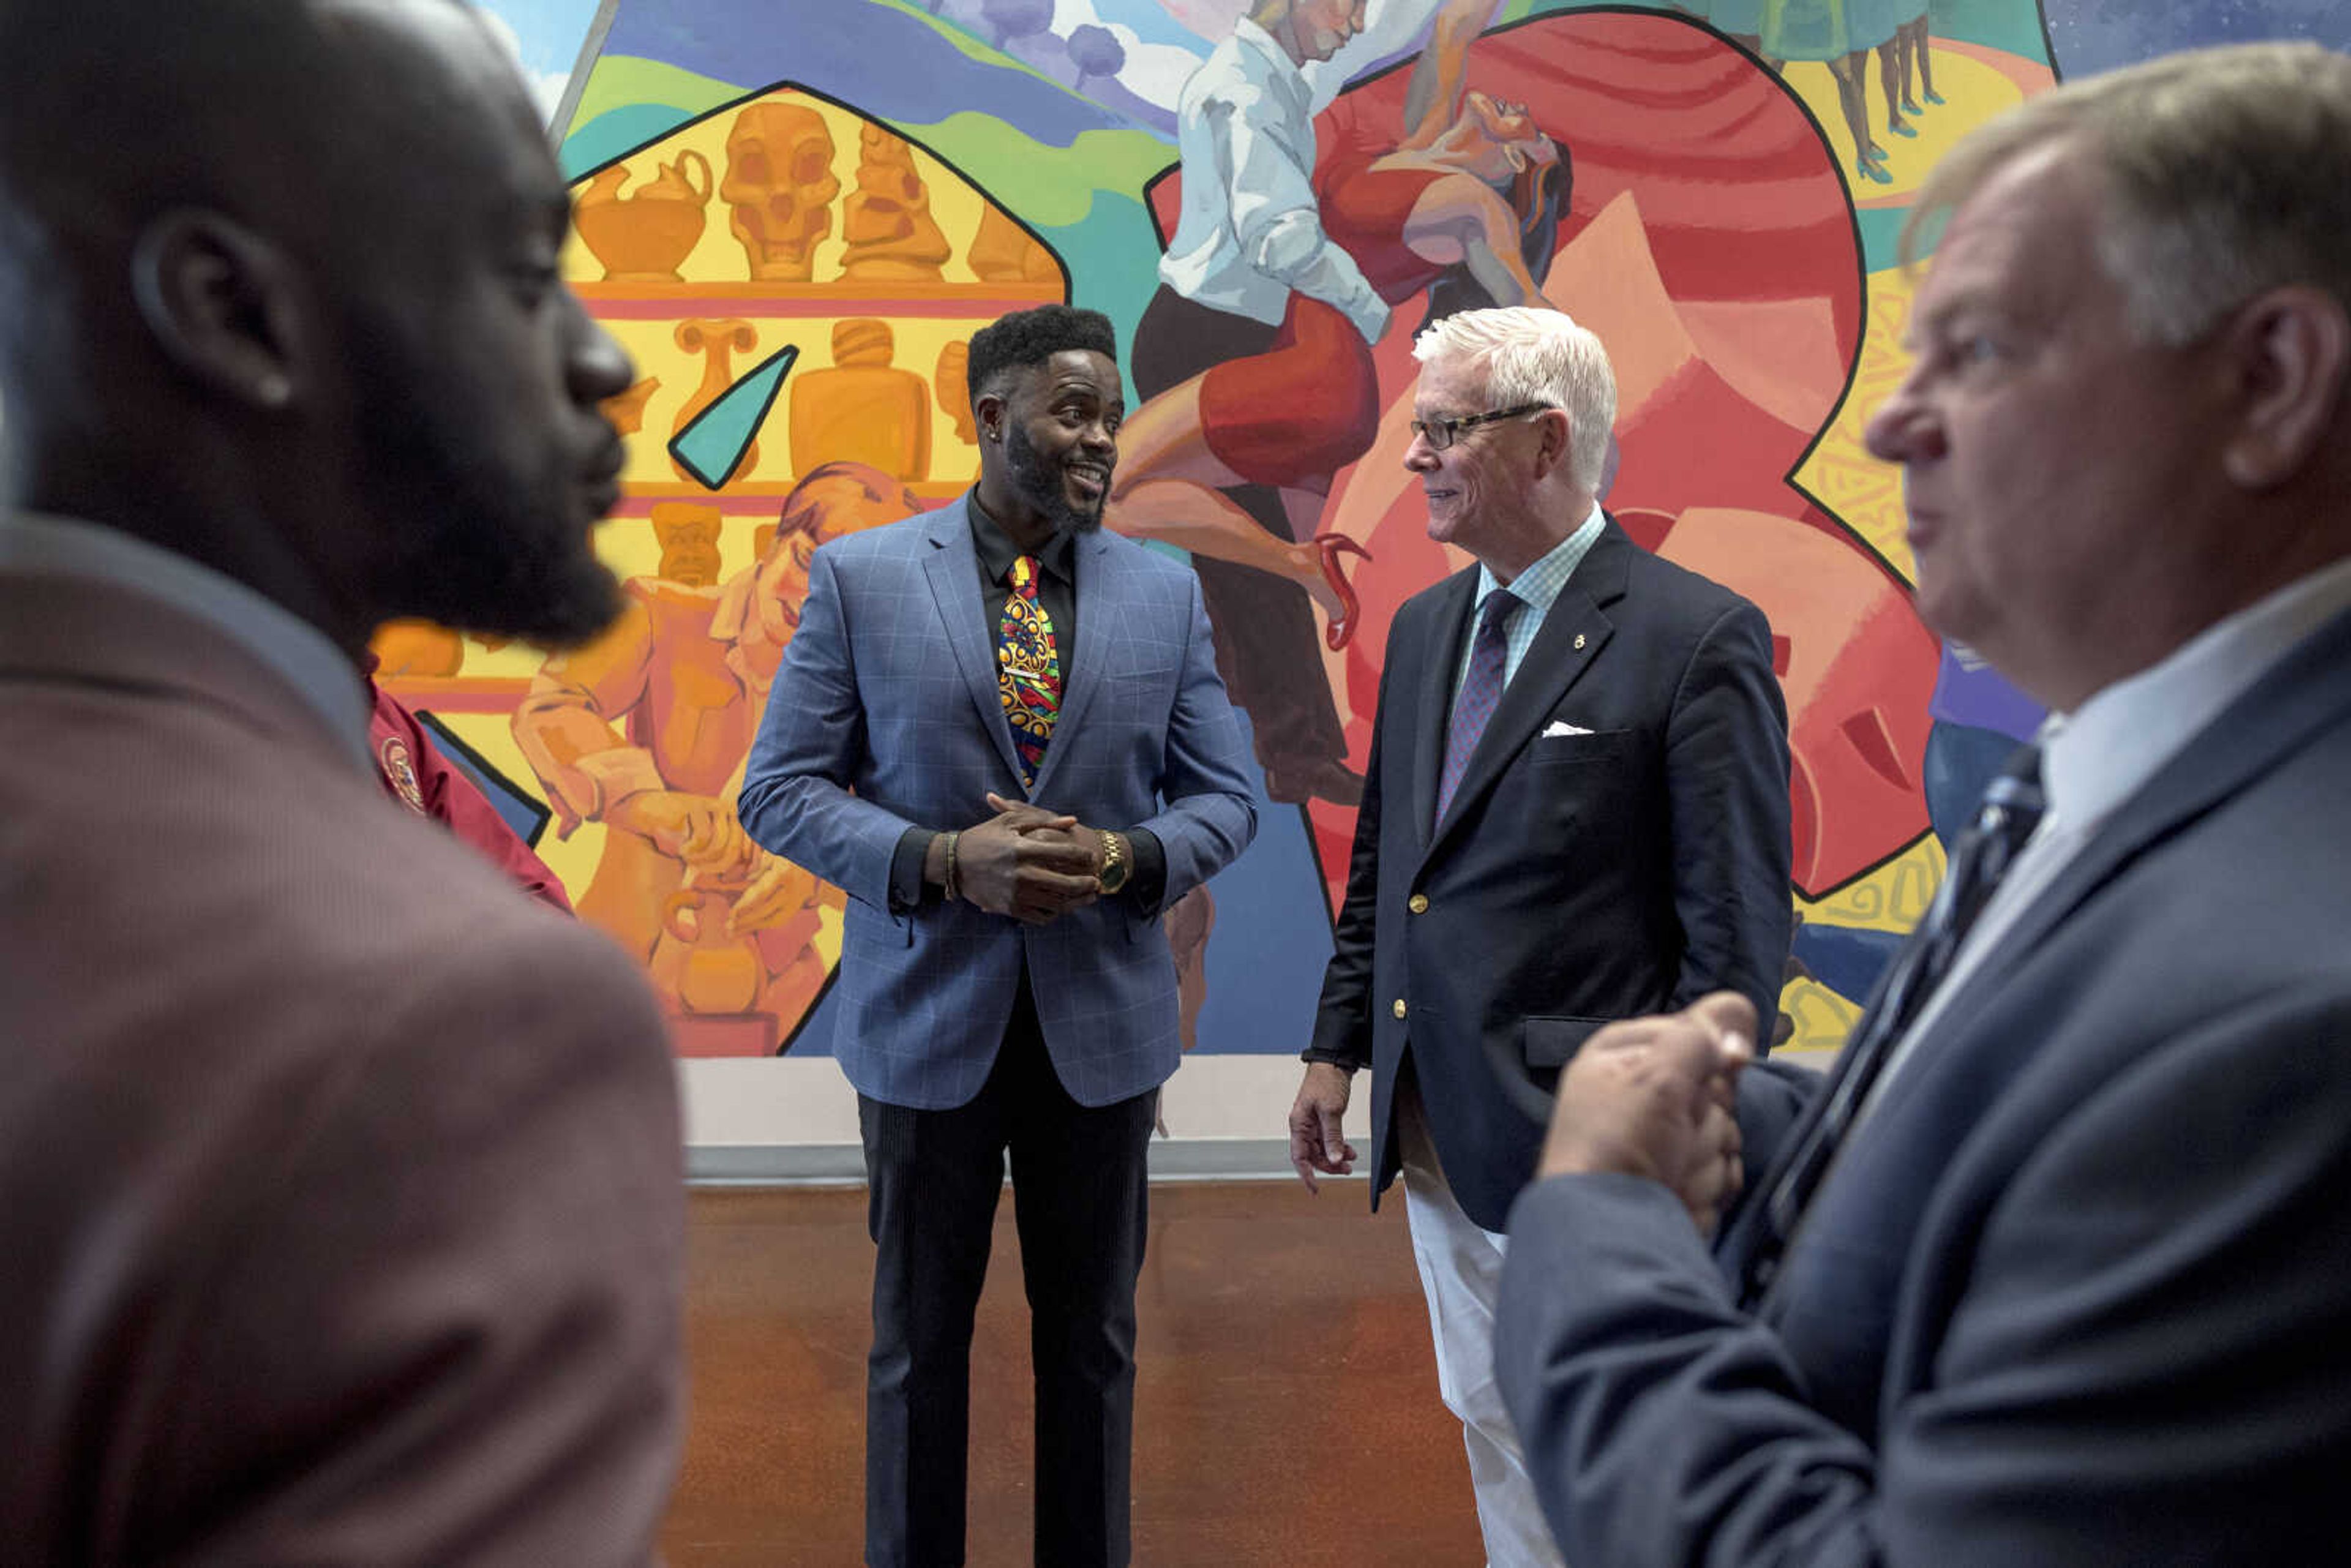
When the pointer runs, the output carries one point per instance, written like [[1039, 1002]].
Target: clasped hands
[[1032, 865], [1658, 1097]]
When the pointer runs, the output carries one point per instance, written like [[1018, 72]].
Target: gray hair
[[1533, 354], [2228, 173]]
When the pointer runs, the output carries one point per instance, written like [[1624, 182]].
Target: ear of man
[[993, 406], [1555, 449], [2290, 352], [224, 306]]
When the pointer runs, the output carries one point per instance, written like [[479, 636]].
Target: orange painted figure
[[644, 732]]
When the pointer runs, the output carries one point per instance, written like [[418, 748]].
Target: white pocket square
[[1561, 726]]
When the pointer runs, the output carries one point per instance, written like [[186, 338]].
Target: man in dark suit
[[1000, 731], [1577, 811], [345, 1222], [2053, 1271]]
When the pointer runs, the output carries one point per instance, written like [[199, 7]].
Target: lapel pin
[[1579, 639]]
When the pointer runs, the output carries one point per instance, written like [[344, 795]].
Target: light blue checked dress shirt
[[1537, 587]]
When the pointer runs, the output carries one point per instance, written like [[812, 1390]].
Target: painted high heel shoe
[[1341, 626]]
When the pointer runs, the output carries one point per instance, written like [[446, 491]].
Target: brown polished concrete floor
[[1286, 1411]]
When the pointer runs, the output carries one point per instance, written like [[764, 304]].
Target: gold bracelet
[[948, 884]]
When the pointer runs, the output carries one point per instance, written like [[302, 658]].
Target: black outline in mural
[[460, 751], [787, 84], [791, 354]]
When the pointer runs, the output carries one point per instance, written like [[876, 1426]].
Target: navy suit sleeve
[[1727, 779], [1342, 1020], [2136, 1356], [1773, 1096]]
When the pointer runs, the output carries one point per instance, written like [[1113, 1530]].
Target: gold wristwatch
[[1115, 867]]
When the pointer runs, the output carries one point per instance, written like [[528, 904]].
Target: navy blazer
[[885, 715], [1627, 865], [2076, 1288]]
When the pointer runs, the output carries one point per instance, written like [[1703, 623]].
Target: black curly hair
[[1027, 337]]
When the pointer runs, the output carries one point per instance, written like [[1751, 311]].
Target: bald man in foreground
[[2053, 1270], [344, 1219]]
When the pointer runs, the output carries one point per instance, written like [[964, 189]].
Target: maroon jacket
[[344, 1213], [416, 774]]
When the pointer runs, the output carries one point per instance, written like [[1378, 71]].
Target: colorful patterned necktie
[[1028, 669], [1481, 689], [2012, 809]]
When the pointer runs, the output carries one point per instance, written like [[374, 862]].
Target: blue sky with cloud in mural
[[546, 36]]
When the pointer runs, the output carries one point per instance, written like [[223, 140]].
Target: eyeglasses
[[1441, 434]]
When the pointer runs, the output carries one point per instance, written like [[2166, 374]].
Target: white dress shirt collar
[[2096, 756]]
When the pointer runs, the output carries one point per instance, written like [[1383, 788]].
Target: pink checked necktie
[[1028, 668], [1481, 689]]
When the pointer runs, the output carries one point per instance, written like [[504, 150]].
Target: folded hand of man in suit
[[1656, 1097], [1027, 863]]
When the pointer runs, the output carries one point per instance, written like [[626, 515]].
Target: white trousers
[[1461, 1273]]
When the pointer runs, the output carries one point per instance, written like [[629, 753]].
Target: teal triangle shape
[[711, 448]]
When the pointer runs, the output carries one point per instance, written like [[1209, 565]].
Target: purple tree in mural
[[1016, 18], [1096, 52]]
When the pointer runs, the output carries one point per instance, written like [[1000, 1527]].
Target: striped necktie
[[2013, 807], [1482, 689]]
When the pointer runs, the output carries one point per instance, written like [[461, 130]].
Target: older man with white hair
[[1576, 811], [2052, 1271]]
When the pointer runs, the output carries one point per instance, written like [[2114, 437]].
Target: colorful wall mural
[[795, 217]]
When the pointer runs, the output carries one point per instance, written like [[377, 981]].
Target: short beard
[[1042, 486], [455, 577], [479, 548]]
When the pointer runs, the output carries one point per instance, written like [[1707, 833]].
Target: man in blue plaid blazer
[[1005, 984]]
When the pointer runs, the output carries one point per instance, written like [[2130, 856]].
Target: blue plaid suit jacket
[[885, 715]]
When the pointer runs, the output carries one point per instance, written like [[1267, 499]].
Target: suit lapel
[[1448, 622], [1572, 634], [1098, 586], [953, 567]]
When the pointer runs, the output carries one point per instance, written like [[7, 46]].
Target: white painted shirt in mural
[[2100, 755], [1250, 231]]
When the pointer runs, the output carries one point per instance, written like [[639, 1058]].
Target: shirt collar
[[997, 552], [2096, 756], [1542, 583], [301, 654]]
